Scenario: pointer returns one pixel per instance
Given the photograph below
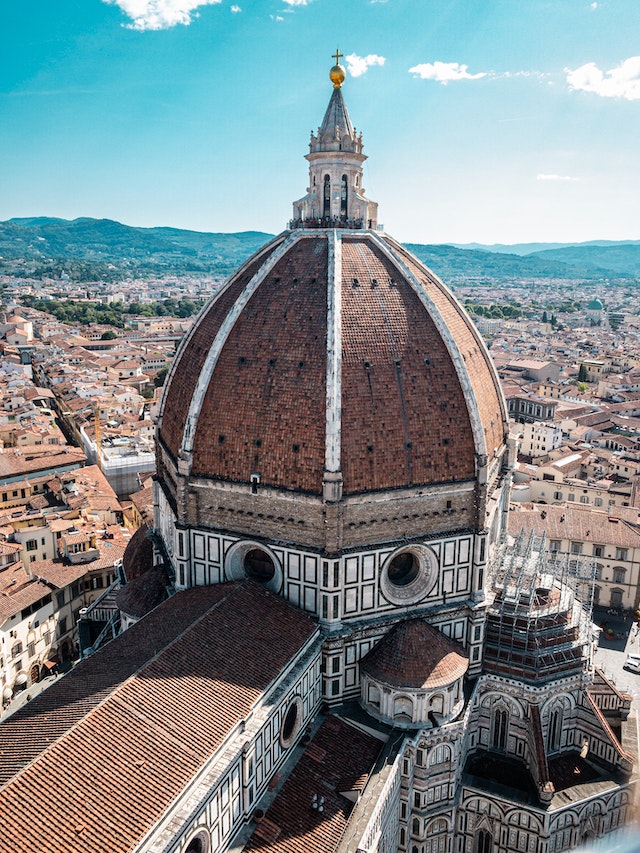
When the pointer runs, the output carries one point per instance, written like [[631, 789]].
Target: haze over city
[[483, 121]]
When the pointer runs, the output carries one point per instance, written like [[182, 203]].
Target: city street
[[612, 653]]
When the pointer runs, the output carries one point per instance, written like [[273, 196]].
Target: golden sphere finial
[[337, 74]]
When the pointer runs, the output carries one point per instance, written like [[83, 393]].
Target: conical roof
[[336, 124]]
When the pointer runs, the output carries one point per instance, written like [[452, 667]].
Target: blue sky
[[483, 120]]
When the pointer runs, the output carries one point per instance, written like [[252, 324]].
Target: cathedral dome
[[332, 365], [332, 351]]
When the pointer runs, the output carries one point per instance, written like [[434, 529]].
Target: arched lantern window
[[326, 205]]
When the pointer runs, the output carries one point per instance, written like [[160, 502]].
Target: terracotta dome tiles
[[415, 655], [484, 382], [405, 419], [271, 380], [191, 357]]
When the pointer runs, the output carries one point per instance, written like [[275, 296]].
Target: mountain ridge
[[92, 249]]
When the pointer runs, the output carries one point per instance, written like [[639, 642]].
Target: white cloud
[[297, 2], [545, 177], [620, 82], [236, 9], [594, 5], [358, 65], [277, 18], [444, 72], [159, 14]]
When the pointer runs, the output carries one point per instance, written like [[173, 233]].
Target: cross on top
[[337, 56]]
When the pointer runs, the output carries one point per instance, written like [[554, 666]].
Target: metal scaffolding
[[539, 623]]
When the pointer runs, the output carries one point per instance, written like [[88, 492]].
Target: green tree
[[160, 377]]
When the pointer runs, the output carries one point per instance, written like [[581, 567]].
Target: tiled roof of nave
[[131, 727]]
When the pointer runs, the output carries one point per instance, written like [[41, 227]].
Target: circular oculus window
[[259, 565], [291, 722], [255, 561], [408, 574]]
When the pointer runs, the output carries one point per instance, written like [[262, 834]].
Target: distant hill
[[109, 249], [619, 257], [102, 249], [614, 257], [450, 263], [530, 248]]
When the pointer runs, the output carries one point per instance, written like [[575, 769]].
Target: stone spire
[[335, 196]]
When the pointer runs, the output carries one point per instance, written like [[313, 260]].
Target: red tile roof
[[579, 525], [293, 826], [14, 462], [92, 763], [414, 654], [14, 597]]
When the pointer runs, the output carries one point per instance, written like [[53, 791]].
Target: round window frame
[[234, 563], [202, 835], [420, 586], [296, 702]]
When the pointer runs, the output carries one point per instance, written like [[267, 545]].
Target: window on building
[[555, 729], [597, 501], [16, 650], [557, 496], [584, 499], [343, 198], [616, 597], [598, 550], [619, 574], [31, 544], [571, 497], [500, 725], [621, 554], [484, 842], [554, 545], [576, 547]]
